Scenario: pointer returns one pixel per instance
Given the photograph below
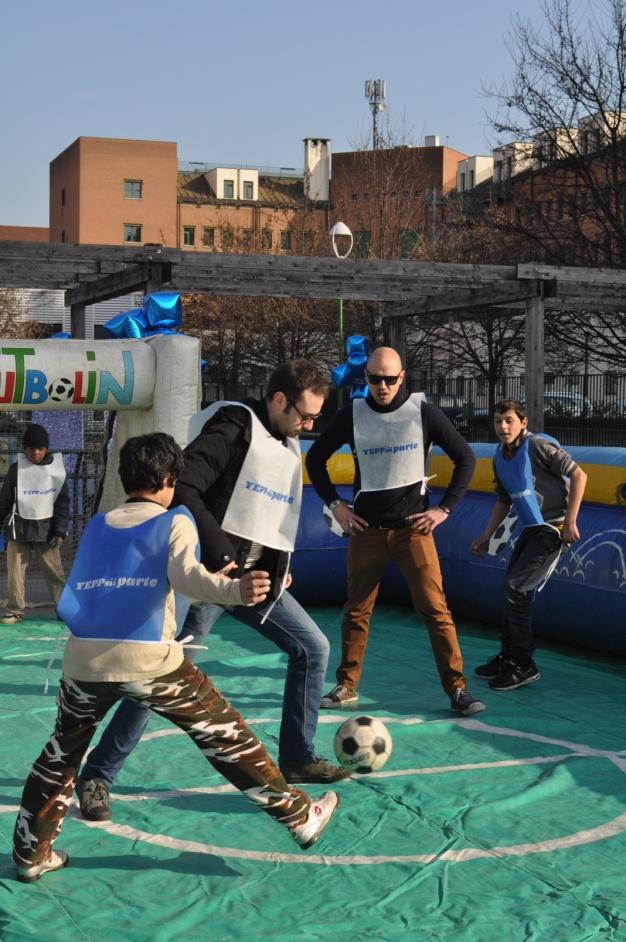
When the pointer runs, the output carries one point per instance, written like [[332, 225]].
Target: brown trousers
[[416, 556], [18, 557]]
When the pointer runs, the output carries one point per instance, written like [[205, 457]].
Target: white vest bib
[[389, 445], [38, 486], [264, 506]]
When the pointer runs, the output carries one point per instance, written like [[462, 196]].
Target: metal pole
[[341, 352]]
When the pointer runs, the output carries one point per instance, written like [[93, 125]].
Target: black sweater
[[388, 508], [213, 461]]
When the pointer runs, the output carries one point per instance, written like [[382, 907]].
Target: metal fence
[[578, 409]]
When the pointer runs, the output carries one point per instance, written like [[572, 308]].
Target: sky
[[239, 83]]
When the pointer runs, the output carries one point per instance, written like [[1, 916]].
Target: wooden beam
[[535, 361], [462, 299], [78, 327], [564, 274], [109, 286]]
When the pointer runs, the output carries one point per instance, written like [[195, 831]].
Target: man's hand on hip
[[428, 520], [348, 520]]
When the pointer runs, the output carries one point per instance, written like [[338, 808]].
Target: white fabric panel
[[177, 394]]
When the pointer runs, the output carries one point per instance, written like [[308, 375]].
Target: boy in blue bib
[[120, 607], [531, 476]]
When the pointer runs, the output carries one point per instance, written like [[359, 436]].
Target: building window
[[266, 238], [248, 190], [247, 238], [285, 240], [362, 244], [133, 189], [228, 237], [354, 197], [229, 189], [462, 183], [132, 232], [189, 235], [63, 197], [610, 384], [306, 238], [63, 236], [471, 179], [409, 240], [208, 236]]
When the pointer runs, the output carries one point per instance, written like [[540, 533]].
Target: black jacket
[[389, 508], [213, 461], [34, 531]]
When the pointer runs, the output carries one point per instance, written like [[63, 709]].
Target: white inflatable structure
[[153, 385]]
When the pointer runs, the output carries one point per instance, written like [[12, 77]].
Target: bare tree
[[567, 98]]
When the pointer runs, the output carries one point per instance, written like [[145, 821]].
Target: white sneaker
[[321, 811], [54, 861]]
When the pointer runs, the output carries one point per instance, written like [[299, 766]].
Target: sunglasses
[[375, 379], [305, 418]]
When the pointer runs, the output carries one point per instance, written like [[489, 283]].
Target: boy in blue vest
[[35, 493], [531, 475], [120, 607]]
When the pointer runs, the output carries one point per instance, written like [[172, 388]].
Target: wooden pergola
[[92, 273]]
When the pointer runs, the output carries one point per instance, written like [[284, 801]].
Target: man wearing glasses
[[390, 433], [242, 481]]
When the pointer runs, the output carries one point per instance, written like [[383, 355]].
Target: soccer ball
[[362, 744], [61, 390], [501, 537]]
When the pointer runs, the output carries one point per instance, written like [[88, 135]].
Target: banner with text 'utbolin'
[[76, 374]]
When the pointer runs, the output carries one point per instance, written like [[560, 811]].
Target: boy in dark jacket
[[35, 492]]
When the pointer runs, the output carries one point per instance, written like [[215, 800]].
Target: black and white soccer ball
[[61, 390], [362, 744], [501, 537], [331, 523]]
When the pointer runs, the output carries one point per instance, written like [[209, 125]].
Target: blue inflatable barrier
[[584, 603]]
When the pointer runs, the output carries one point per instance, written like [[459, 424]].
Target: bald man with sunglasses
[[390, 433]]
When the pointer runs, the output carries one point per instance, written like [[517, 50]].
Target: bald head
[[384, 375], [384, 360]]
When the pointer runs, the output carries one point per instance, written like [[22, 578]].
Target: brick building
[[115, 192]]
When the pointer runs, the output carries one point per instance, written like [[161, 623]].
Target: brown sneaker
[[339, 696], [319, 771]]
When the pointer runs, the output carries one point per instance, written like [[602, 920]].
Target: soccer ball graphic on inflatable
[[61, 390], [362, 744]]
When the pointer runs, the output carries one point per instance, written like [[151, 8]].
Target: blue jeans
[[291, 630]]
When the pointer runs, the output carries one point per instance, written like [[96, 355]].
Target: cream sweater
[[99, 661]]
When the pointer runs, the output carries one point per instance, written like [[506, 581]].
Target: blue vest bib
[[117, 587], [516, 477]]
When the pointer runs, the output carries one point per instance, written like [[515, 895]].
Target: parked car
[[571, 405]]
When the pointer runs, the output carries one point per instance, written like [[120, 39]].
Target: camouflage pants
[[188, 699]]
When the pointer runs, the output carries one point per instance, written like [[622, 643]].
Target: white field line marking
[[578, 838]]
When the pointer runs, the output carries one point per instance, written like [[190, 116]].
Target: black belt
[[400, 525]]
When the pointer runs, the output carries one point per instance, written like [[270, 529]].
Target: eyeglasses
[[305, 418], [376, 379]]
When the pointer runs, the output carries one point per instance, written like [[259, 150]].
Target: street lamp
[[342, 242]]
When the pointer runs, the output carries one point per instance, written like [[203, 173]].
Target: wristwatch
[[446, 510], [335, 503]]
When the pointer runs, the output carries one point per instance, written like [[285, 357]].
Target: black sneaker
[[319, 771], [493, 667], [93, 798], [462, 702], [514, 675]]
